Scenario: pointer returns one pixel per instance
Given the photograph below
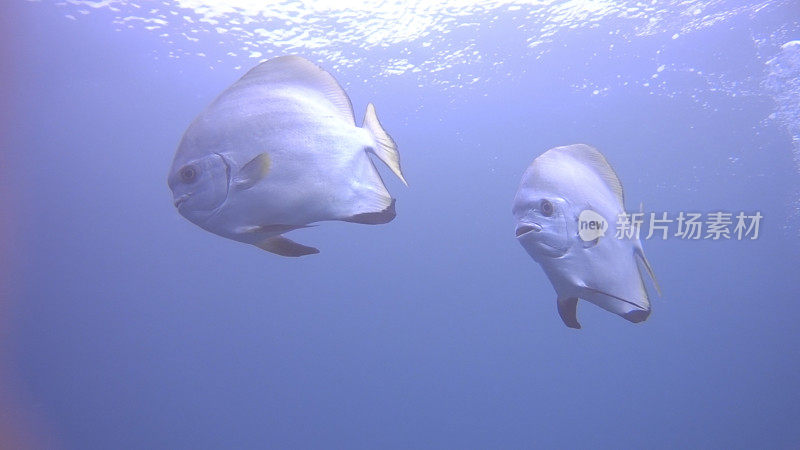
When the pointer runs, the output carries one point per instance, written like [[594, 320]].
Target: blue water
[[126, 326]]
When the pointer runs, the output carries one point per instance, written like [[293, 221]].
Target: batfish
[[277, 151], [567, 208]]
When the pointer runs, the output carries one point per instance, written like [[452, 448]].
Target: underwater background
[[123, 325]]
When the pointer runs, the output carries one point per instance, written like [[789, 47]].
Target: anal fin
[[282, 246], [568, 310], [374, 218]]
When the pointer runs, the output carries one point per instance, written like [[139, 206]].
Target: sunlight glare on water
[[338, 31]]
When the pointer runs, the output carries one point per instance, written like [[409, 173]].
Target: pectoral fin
[[568, 310], [252, 172], [286, 247], [641, 260]]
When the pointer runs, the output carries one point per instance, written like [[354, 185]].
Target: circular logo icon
[[591, 225]]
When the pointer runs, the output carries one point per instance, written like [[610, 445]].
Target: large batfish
[[567, 208], [277, 151]]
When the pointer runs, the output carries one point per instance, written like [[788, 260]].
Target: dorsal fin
[[298, 71], [593, 158]]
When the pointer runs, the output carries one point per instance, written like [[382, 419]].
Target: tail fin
[[386, 149]]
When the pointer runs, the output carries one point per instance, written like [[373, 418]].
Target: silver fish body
[[567, 209], [277, 151]]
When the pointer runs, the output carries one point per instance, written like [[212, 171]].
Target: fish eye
[[546, 207], [188, 174]]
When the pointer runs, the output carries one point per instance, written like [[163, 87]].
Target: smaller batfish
[[567, 208]]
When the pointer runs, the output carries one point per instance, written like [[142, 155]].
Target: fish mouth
[[527, 228], [180, 200]]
